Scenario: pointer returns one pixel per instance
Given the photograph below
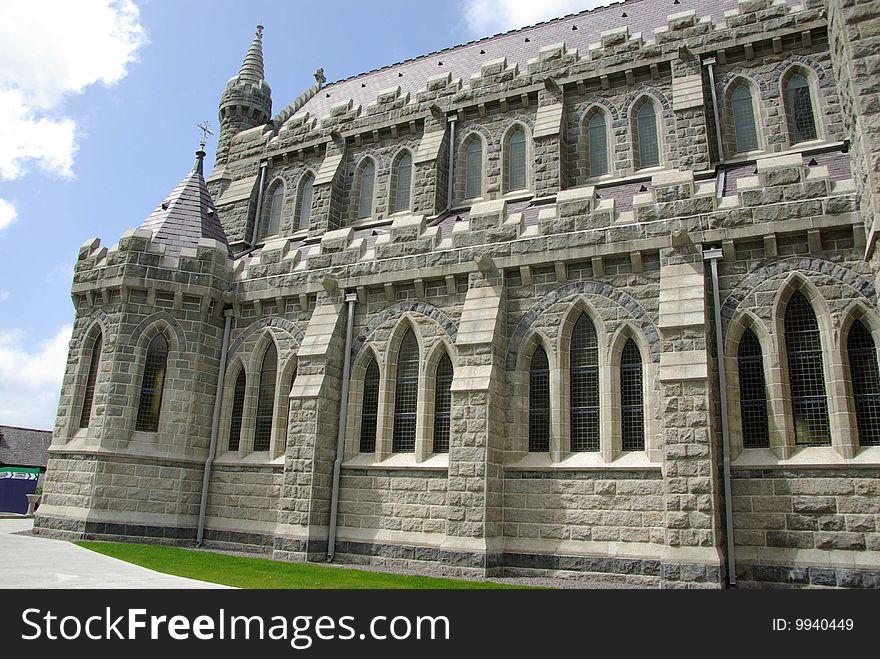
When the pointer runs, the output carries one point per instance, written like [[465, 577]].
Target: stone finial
[[252, 67]]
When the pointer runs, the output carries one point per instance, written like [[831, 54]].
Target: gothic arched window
[[152, 385], [85, 416], [597, 144], [539, 402], [645, 136], [865, 378], [806, 375], [442, 404], [743, 110], [237, 410], [752, 392], [584, 386], [473, 181], [406, 395], [402, 182], [365, 191], [306, 192], [515, 164], [632, 409], [801, 116], [273, 221], [370, 408], [266, 399]]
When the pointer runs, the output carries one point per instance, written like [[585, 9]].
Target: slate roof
[[518, 46], [186, 215], [24, 447]]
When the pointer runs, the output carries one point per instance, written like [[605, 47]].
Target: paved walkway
[[32, 562]]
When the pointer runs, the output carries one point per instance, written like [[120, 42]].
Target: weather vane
[[205, 127]]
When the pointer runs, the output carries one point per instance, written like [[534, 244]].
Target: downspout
[[713, 256], [263, 166], [450, 184], [350, 299], [215, 423], [710, 65]]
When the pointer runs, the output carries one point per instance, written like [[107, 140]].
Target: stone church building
[[596, 296]]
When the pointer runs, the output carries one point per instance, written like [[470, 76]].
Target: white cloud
[[30, 382], [7, 213], [4, 294], [485, 17], [50, 49]]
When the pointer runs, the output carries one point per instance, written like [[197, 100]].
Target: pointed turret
[[246, 102], [187, 214]]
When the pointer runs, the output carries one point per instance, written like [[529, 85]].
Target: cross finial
[[205, 127]]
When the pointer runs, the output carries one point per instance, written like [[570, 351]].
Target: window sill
[[629, 461], [257, 459], [436, 462], [807, 457]]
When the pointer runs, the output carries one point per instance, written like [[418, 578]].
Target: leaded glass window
[[403, 178], [152, 385], [274, 223], [305, 201], [800, 108], [632, 409], [237, 411], [584, 386], [266, 399], [474, 169], [806, 374], [539, 402], [743, 111], [91, 378], [370, 408], [752, 392], [863, 371], [646, 136], [406, 395], [442, 404], [365, 195], [516, 160], [597, 144]]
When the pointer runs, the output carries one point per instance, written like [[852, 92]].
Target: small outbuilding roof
[[24, 447]]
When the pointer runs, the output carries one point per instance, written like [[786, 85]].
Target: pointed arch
[[265, 412], [646, 132], [370, 407], [305, 197], [364, 189], [806, 371], [583, 354], [472, 165], [539, 401], [859, 333], [403, 439], [596, 133], [152, 384], [271, 221], [236, 415], [632, 403], [401, 182], [752, 391], [516, 149], [800, 100], [741, 125], [443, 374], [93, 348]]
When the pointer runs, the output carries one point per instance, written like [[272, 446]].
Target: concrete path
[[32, 562]]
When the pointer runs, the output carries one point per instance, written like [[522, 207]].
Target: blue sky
[[98, 105]]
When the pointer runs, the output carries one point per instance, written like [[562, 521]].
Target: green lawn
[[243, 572]]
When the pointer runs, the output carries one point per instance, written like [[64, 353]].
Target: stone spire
[[187, 214], [246, 102], [252, 67]]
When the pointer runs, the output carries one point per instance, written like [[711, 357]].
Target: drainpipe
[[450, 185], [713, 256], [710, 65], [215, 422], [263, 166], [350, 298]]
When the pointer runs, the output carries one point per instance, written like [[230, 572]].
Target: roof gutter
[[350, 299], [713, 256], [215, 423]]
